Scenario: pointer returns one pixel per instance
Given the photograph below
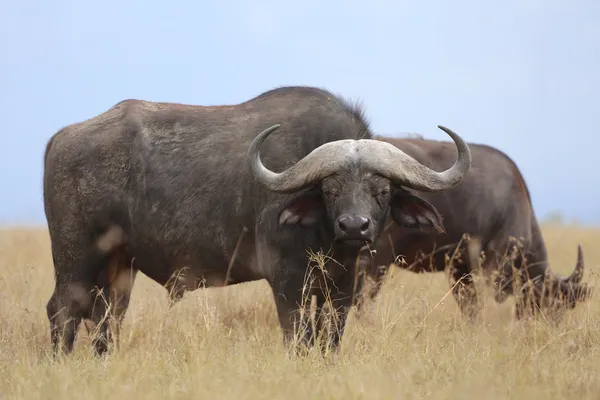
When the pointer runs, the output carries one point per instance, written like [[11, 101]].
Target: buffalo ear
[[410, 211], [306, 210]]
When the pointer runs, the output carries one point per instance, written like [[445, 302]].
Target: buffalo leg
[[293, 310], [100, 316], [377, 275], [72, 297], [286, 274], [113, 304], [65, 309], [507, 260], [295, 316], [463, 289], [341, 298]]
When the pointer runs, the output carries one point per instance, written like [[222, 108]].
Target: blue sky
[[520, 75]]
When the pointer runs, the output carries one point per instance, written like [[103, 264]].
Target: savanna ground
[[225, 343]]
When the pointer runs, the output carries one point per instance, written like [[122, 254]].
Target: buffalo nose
[[353, 226]]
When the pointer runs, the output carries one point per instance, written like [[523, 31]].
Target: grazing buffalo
[[492, 206], [168, 190]]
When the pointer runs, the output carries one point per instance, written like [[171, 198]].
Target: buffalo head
[[355, 184]]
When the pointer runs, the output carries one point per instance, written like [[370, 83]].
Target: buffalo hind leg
[[72, 298], [66, 308], [112, 301]]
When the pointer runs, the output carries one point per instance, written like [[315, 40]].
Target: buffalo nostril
[[365, 225], [342, 223]]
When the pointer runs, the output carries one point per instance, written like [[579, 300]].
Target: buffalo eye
[[381, 194], [330, 192]]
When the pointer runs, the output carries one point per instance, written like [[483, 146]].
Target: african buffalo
[[167, 189], [493, 207]]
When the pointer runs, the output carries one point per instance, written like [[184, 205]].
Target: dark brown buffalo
[[167, 189], [493, 207]]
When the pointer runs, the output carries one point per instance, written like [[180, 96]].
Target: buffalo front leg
[[304, 321], [292, 302], [333, 313], [463, 289], [377, 275]]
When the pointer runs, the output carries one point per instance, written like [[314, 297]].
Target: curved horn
[[319, 163], [577, 273], [392, 162], [377, 156]]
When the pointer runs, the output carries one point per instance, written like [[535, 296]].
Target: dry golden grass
[[225, 343]]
